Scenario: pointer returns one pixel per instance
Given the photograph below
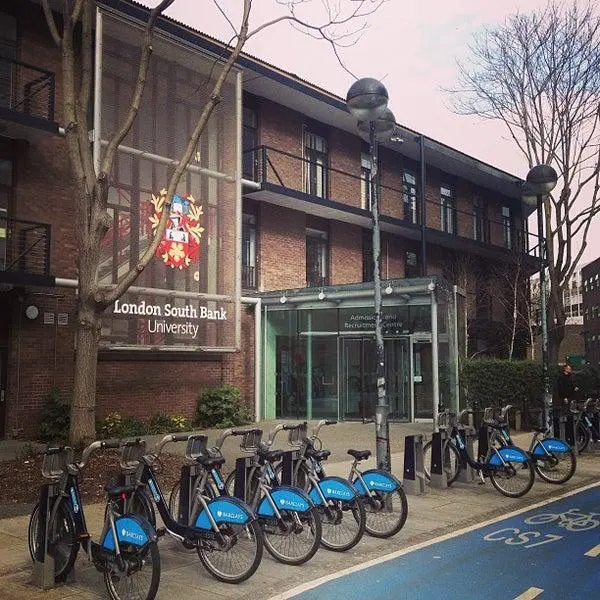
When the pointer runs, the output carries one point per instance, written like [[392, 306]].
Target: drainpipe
[[434, 357]]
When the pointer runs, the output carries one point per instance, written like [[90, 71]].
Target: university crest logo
[[181, 240]]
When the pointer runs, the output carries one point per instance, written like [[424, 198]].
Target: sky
[[411, 46]]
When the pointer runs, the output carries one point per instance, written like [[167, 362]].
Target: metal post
[[382, 432], [544, 317], [423, 211]]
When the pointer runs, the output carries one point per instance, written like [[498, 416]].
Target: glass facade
[[319, 352]]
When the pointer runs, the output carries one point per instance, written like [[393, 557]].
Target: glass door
[[397, 378], [422, 379], [358, 389]]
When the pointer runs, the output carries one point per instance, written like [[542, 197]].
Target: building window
[[448, 209], [479, 220], [248, 251], [6, 183], [249, 144], [506, 227], [8, 49], [317, 259], [365, 181], [412, 268], [410, 195], [315, 164]]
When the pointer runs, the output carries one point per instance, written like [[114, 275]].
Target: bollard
[[287, 466], [483, 442], [414, 476], [241, 468], [438, 473], [560, 427], [466, 474]]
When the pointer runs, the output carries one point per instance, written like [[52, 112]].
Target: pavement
[[432, 514]]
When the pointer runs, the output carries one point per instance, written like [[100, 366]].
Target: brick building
[[296, 268], [590, 280]]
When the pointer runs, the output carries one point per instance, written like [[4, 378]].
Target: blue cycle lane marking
[[543, 548]]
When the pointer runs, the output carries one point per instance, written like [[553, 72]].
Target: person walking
[[566, 388]]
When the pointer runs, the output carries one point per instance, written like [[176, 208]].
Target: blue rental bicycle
[[223, 531], [127, 554], [382, 494]]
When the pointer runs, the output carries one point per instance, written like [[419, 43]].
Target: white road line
[[529, 594], [593, 552], [448, 536]]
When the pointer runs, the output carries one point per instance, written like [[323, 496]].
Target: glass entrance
[[358, 380]]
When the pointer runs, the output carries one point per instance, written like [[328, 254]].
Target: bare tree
[[73, 33], [539, 74]]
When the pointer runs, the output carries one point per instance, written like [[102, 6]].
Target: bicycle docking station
[[414, 474], [466, 473], [53, 469], [438, 473]]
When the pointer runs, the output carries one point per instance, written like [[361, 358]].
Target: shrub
[[116, 425], [56, 417], [221, 407], [165, 423]]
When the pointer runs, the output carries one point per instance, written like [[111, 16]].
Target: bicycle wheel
[[238, 557], [139, 579], [556, 467], [343, 524], [513, 479], [294, 540], [63, 539], [451, 460], [386, 512], [137, 504], [582, 437]]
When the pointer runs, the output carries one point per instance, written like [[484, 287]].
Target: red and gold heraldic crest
[[180, 245]]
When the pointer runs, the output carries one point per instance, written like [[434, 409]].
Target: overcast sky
[[411, 46]]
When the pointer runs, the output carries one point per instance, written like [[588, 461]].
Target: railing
[[24, 246], [27, 89], [296, 173], [248, 277]]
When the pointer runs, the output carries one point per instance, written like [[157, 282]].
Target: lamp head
[[542, 179], [367, 99], [385, 126], [528, 196]]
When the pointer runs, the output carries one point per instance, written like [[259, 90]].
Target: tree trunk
[[83, 426]]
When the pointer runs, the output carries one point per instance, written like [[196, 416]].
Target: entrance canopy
[[319, 350]]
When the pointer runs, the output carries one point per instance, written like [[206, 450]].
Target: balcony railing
[[27, 89], [24, 246], [296, 173], [248, 277]]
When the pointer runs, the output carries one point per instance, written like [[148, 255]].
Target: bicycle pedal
[[161, 531]]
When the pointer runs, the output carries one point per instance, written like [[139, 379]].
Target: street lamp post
[[541, 180], [367, 101]]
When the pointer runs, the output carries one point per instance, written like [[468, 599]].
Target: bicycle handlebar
[[320, 424], [102, 444], [229, 432], [171, 437]]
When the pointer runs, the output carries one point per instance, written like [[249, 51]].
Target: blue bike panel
[[380, 481], [551, 445], [285, 498], [224, 510], [131, 529], [333, 488], [508, 454]]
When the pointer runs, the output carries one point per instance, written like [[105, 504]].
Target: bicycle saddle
[[360, 454], [211, 461], [270, 455], [114, 490], [318, 454]]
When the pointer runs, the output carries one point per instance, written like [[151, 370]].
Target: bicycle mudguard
[[508, 454], [333, 488], [550, 445], [131, 529], [377, 480], [285, 498], [224, 510]]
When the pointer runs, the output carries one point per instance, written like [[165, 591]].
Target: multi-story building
[[273, 216], [590, 281]]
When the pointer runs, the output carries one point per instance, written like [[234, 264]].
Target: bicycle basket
[[131, 455], [444, 419], [54, 465], [297, 435], [196, 446], [250, 441], [489, 414]]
